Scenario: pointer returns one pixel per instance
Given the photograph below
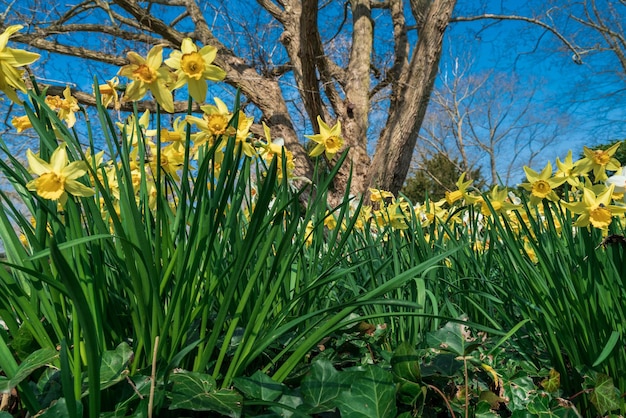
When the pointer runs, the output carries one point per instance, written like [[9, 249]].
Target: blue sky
[[533, 55]]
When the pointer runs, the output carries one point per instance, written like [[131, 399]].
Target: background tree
[[487, 120]]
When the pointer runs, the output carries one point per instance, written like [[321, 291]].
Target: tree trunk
[[397, 140]]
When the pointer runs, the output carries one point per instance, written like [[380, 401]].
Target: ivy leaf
[[372, 394], [452, 338], [553, 382], [605, 396], [405, 363], [483, 410], [321, 387], [259, 386], [520, 392], [196, 392], [34, 361], [114, 365], [58, 409]]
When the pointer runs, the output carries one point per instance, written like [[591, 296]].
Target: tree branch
[[534, 21]]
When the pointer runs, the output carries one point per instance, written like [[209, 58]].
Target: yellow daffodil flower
[[498, 198], [243, 130], [172, 160], [599, 161], [568, 170], [194, 67], [108, 93], [461, 191], [148, 74], [65, 107], [10, 61], [58, 177], [21, 123], [377, 195], [272, 149], [329, 140], [134, 129], [595, 209], [212, 124], [541, 185]]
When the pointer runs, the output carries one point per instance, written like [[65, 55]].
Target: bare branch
[[69, 50], [534, 21]]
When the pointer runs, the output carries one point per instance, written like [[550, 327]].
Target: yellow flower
[[243, 129], [541, 185], [600, 161], [108, 93], [377, 195], [176, 136], [568, 170], [134, 129], [57, 178], [212, 124], [329, 221], [595, 209], [329, 140], [10, 60], [148, 74], [172, 159], [69, 105], [65, 107], [461, 191], [498, 198], [273, 149], [193, 67], [21, 123]]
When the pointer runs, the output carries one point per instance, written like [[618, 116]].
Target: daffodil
[[10, 61], [541, 185], [599, 161], [329, 140], [58, 177], [148, 74], [21, 123], [461, 191], [65, 107], [272, 149], [568, 170], [595, 209], [212, 124], [108, 93], [242, 133], [176, 136], [193, 67], [498, 198], [134, 129], [172, 159], [379, 196]]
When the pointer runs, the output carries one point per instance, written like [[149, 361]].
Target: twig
[[153, 376]]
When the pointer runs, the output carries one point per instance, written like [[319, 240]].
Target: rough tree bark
[[409, 100]]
